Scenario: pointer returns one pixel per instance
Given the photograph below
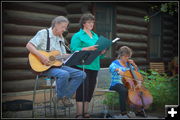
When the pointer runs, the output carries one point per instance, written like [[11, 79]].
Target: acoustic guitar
[[54, 57]]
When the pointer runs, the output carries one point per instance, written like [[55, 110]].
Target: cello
[[138, 95]]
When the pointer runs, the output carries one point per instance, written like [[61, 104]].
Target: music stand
[[82, 58]]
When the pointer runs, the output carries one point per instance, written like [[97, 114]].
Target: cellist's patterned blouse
[[115, 77]]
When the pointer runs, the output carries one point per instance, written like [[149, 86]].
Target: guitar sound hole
[[52, 58]]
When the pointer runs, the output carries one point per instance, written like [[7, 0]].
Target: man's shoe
[[57, 101], [66, 101]]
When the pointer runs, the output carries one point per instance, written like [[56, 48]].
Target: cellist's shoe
[[131, 114], [141, 114]]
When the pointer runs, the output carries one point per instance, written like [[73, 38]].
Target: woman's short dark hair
[[85, 17], [124, 50]]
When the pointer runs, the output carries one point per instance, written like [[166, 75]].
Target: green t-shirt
[[80, 40]]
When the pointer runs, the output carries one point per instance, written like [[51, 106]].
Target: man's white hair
[[59, 19]]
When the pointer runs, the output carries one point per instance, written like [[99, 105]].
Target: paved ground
[[98, 112]]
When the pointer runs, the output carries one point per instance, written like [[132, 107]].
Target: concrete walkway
[[61, 115]]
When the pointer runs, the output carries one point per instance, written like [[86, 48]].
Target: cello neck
[[132, 71]]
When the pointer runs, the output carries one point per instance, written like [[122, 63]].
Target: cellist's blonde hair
[[124, 50]]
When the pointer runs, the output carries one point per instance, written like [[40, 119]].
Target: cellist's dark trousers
[[123, 93]]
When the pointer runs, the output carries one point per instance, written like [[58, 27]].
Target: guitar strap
[[48, 41]]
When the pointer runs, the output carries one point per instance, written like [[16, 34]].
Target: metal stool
[[45, 87]]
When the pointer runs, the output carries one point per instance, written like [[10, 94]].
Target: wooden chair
[[157, 66]]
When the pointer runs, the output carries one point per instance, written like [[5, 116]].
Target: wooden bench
[[102, 85], [157, 66]]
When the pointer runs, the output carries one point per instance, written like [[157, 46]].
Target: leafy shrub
[[163, 88]]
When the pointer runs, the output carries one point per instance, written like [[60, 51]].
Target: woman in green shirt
[[86, 39]]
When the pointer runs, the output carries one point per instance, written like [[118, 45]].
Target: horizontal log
[[165, 59], [167, 32], [69, 36], [167, 25], [121, 28], [132, 37], [167, 17], [130, 20], [16, 40], [10, 75], [21, 29], [140, 60], [74, 18], [168, 39], [139, 64], [133, 45], [37, 7], [168, 46], [20, 85], [74, 27], [74, 8], [139, 54], [15, 63], [28, 18], [168, 54], [15, 52], [131, 11]]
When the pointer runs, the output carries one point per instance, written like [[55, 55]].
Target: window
[[105, 22], [155, 37]]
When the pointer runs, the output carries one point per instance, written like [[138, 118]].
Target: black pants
[[89, 86], [123, 93]]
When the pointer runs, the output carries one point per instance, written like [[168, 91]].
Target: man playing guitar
[[68, 79]]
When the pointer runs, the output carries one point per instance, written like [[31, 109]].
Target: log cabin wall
[[21, 21], [133, 31]]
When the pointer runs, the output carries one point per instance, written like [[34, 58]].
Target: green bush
[[163, 88]]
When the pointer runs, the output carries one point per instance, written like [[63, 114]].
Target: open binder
[[104, 43]]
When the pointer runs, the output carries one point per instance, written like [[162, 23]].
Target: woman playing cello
[[118, 69]]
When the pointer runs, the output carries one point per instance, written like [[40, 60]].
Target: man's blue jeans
[[68, 80]]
